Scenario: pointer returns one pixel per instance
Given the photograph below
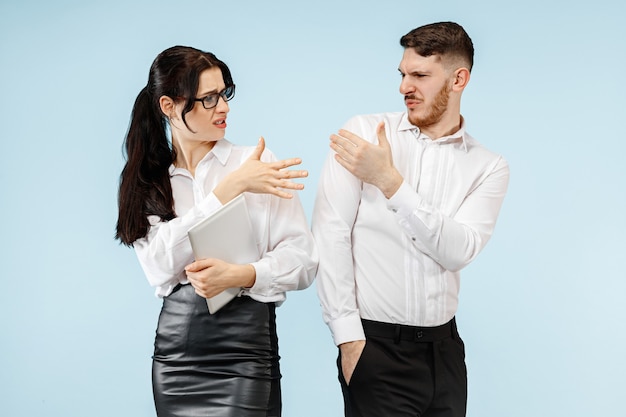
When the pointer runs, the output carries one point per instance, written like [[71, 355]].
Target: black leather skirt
[[223, 364]]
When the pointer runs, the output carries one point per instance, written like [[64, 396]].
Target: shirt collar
[[221, 151], [459, 136]]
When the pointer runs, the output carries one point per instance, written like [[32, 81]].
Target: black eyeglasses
[[211, 100]]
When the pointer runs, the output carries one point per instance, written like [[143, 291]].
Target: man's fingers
[[382, 135], [342, 146], [345, 142], [342, 161], [355, 140]]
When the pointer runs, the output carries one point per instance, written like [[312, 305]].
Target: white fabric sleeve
[[454, 241], [336, 206], [165, 251]]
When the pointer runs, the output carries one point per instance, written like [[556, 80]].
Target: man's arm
[[453, 242], [335, 211], [334, 214], [336, 206]]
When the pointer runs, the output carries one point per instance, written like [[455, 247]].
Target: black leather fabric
[[223, 364]]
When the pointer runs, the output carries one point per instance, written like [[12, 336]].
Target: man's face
[[426, 86]]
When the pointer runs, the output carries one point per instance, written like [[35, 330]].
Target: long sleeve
[[397, 260], [454, 240], [289, 255], [336, 208], [165, 251]]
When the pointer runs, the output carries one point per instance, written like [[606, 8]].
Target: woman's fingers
[[285, 163], [288, 174], [258, 151], [272, 177]]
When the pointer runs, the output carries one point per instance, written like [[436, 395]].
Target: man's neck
[[442, 129]]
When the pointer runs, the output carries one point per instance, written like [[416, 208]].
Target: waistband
[[399, 332]]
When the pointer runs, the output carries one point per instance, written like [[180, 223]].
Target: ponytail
[[145, 187]]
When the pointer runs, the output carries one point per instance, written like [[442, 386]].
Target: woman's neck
[[190, 154]]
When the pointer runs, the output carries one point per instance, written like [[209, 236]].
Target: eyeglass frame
[[218, 94]]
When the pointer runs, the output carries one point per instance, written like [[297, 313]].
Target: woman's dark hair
[[145, 187], [446, 39]]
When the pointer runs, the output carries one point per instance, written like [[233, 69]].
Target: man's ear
[[461, 78], [167, 106]]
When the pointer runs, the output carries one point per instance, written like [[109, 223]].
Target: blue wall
[[542, 310]]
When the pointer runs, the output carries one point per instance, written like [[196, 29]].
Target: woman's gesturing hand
[[260, 177]]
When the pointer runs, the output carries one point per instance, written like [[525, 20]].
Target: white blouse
[[288, 254]]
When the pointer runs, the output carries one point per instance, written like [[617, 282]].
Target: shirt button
[[394, 210], [413, 239]]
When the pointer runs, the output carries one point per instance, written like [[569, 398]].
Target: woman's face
[[205, 125]]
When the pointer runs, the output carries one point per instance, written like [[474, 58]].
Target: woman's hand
[[260, 177], [210, 277]]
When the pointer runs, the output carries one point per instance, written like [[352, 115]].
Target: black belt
[[409, 333]]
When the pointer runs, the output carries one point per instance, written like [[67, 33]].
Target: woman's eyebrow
[[214, 91]]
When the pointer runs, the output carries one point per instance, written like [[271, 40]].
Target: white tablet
[[227, 235]]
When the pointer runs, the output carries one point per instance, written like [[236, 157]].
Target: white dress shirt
[[288, 253], [397, 260]]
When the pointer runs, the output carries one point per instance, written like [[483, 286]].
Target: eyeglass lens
[[210, 101]]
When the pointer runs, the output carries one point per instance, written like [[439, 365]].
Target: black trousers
[[223, 365], [407, 371]]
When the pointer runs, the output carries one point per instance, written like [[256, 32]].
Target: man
[[405, 201]]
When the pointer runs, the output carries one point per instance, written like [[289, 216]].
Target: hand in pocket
[[350, 355]]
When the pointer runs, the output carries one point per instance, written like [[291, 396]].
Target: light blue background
[[542, 309]]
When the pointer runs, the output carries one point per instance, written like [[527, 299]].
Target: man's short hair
[[448, 40]]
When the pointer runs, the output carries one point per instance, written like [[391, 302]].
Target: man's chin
[[415, 121]]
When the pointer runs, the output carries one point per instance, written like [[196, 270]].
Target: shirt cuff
[[263, 279], [347, 329], [404, 201], [209, 204]]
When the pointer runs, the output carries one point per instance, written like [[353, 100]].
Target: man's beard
[[436, 110]]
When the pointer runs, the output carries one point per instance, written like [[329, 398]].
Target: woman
[[223, 364]]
